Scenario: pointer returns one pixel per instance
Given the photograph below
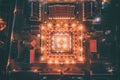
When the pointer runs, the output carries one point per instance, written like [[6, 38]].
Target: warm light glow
[[58, 39], [12, 37], [15, 10], [42, 27], [38, 35], [50, 62], [73, 62], [61, 42], [81, 59], [80, 37], [81, 49], [35, 70], [42, 49], [56, 62], [80, 27], [66, 25], [43, 37], [49, 25], [14, 70], [67, 62], [42, 59], [59, 70], [65, 39], [73, 25], [103, 1], [110, 70], [1, 19], [65, 46], [58, 25]]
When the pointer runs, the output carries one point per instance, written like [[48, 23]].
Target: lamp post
[[11, 35]]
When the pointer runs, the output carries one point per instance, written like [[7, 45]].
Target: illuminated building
[[56, 38]]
